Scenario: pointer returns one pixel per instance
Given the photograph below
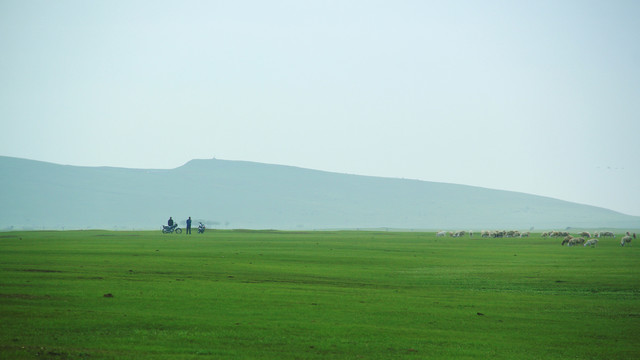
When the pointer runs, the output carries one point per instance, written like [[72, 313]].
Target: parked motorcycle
[[170, 229], [201, 228]]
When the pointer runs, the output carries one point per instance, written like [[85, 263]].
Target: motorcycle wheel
[[178, 231]]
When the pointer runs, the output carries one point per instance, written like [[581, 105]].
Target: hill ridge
[[245, 194]]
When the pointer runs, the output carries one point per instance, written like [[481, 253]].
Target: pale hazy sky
[[541, 97]]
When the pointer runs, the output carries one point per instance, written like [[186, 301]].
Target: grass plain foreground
[[314, 295]]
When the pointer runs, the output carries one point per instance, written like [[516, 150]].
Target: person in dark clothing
[[170, 222], [189, 225]]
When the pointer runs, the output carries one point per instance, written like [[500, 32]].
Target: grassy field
[[314, 295]]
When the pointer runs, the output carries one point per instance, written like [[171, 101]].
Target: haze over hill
[[238, 194]]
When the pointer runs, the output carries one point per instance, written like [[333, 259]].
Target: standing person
[[189, 225], [170, 222]]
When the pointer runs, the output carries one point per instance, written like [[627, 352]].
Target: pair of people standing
[[170, 223]]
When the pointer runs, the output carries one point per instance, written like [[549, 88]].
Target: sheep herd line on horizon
[[568, 239]]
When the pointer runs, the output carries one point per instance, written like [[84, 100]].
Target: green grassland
[[314, 295]]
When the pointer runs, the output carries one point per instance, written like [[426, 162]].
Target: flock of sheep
[[568, 239], [485, 233]]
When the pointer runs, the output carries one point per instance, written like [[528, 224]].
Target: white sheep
[[498, 234], [441, 233], [558, 234], [576, 241], [591, 242], [626, 240]]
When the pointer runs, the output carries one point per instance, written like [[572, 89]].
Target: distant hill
[[238, 194]]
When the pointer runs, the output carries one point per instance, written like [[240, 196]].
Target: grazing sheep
[[441, 233], [525, 234], [566, 240], [591, 242], [572, 242], [585, 234], [498, 234], [513, 233], [607, 234], [575, 241], [485, 233], [626, 240]]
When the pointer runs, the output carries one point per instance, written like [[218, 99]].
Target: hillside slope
[[237, 194]]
